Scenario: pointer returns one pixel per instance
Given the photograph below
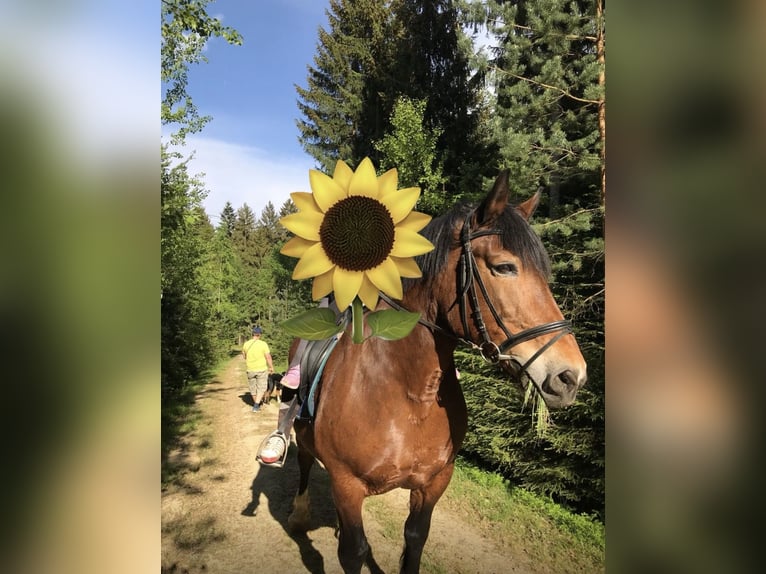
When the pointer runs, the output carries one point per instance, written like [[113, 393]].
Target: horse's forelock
[[519, 238]]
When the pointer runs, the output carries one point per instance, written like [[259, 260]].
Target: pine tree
[[269, 222], [244, 234], [432, 63], [223, 274], [228, 217], [341, 108], [547, 70], [547, 78], [376, 52]]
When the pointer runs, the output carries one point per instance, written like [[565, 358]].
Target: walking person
[[259, 366]]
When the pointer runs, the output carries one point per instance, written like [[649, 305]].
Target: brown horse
[[391, 414]]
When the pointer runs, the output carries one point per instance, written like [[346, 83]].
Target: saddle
[[313, 361]]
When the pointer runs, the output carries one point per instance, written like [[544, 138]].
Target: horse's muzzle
[[560, 390]]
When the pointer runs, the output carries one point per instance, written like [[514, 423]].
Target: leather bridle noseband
[[467, 280]]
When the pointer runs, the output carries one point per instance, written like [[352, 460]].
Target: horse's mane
[[516, 234]]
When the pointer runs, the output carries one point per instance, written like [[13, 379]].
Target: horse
[[391, 414]]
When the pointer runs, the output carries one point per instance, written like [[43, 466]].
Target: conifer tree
[[549, 92], [269, 222], [376, 51], [243, 235], [431, 63], [341, 107], [548, 79], [228, 217]]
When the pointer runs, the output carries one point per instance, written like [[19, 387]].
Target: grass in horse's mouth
[[540, 413]]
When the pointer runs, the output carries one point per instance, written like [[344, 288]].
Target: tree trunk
[[601, 58]]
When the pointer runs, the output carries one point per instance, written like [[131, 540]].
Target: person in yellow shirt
[[259, 366]]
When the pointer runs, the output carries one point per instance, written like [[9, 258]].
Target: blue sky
[[250, 152]]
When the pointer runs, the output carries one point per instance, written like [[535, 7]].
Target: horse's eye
[[505, 269]]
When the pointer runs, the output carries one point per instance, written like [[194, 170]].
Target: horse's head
[[501, 300]]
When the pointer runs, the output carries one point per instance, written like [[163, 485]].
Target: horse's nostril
[[568, 378]]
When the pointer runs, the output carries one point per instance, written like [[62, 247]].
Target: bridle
[[467, 280]]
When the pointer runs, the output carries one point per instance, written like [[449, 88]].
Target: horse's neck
[[428, 354]]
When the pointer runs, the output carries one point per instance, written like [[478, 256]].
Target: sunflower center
[[357, 233]]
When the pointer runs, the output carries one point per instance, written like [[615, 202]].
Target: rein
[[468, 278]]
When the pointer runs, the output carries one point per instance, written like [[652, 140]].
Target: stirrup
[[281, 461]]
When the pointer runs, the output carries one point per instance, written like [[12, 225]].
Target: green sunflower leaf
[[391, 325], [314, 324]]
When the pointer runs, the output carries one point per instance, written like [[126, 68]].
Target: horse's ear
[[496, 200], [527, 208]]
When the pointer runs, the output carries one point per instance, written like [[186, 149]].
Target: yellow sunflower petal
[[388, 181], [409, 243], [304, 224], [386, 278], [407, 267], [322, 285], [314, 262], [342, 174], [346, 285], [400, 203], [368, 293], [304, 201], [296, 247], [326, 190], [415, 221], [364, 181]]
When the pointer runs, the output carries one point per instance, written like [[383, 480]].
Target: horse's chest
[[409, 470]]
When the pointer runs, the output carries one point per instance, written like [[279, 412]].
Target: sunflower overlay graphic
[[357, 235]]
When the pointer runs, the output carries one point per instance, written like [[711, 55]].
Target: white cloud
[[244, 174]]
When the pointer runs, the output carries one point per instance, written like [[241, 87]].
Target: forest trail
[[226, 514]]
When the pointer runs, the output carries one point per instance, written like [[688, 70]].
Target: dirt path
[[228, 515]]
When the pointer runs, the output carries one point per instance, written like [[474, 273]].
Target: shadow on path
[[279, 485]]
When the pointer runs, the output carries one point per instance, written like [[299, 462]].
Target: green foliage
[[566, 464], [410, 147], [431, 63], [546, 78], [186, 350], [199, 271], [376, 52], [227, 219], [344, 94], [186, 28]]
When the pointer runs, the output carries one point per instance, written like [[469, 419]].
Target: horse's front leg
[[422, 502], [353, 549]]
